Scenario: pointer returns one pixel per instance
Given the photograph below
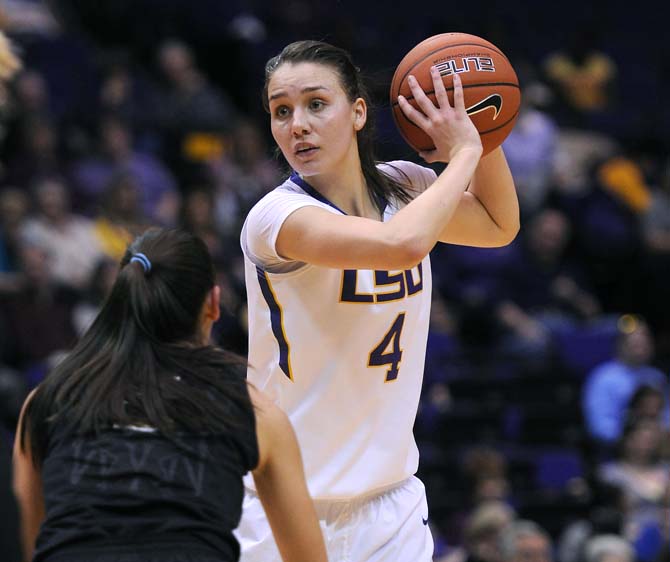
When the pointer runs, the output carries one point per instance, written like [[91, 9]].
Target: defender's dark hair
[[142, 361], [381, 187]]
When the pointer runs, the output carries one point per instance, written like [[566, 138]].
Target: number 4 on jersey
[[387, 351]]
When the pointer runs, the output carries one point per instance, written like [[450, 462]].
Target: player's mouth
[[304, 150]]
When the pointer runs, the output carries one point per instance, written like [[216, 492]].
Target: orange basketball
[[490, 86]]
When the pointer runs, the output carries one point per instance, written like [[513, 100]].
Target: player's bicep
[[316, 236], [471, 225]]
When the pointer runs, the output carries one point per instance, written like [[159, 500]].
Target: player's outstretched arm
[[27, 484], [281, 486]]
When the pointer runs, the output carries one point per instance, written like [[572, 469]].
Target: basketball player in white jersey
[[338, 281]]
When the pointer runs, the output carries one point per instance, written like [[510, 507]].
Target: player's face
[[312, 120]]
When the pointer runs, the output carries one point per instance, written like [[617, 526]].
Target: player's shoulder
[[405, 172], [287, 190], [285, 194]]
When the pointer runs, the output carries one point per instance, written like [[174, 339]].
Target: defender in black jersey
[[135, 446]]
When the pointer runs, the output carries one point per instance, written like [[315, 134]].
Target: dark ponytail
[[381, 187], [142, 361]]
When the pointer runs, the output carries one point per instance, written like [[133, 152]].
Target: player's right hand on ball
[[451, 128]]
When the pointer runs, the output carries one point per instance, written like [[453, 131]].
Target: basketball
[[490, 86]]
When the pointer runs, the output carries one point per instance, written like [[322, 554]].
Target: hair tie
[[142, 259]]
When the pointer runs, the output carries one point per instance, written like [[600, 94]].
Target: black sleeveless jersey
[[132, 494]]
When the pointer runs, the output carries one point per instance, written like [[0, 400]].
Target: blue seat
[[555, 468], [580, 350]]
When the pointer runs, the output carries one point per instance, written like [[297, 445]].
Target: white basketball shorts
[[390, 526]]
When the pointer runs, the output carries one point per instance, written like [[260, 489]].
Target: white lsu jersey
[[340, 351]]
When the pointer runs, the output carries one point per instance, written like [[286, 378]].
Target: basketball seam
[[465, 87], [449, 47]]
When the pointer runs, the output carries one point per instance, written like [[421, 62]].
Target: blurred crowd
[[546, 407]]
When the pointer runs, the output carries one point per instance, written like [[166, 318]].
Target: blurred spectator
[[483, 477], [623, 177], [607, 221], [610, 386], [157, 188], [485, 481], [545, 292], [607, 514], [32, 94], [198, 216], [482, 534], [470, 282], [230, 331], [120, 217], [525, 541], [242, 176], [644, 478], [656, 218], [127, 96], [442, 345], [14, 207], [638, 469], [29, 17], [116, 91], [442, 321], [190, 111], [37, 156], [647, 402], [197, 211], [36, 319], [576, 155], [486, 470], [583, 75], [608, 548], [189, 102], [530, 150], [29, 101], [9, 63], [67, 238], [87, 308]]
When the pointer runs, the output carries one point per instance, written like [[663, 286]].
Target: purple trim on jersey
[[295, 178], [276, 321]]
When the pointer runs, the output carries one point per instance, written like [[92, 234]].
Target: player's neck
[[346, 188]]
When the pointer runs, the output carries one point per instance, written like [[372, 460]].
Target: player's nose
[[300, 122]]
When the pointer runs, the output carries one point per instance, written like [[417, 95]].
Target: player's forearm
[[291, 514], [493, 185], [421, 222]]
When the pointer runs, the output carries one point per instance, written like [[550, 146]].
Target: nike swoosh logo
[[425, 521], [494, 101]]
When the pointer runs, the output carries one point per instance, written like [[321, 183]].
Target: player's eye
[[281, 112], [317, 104]]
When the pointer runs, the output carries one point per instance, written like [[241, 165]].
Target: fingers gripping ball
[[490, 86]]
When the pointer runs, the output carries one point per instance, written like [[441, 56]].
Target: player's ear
[[360, 113], [213, 310]]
